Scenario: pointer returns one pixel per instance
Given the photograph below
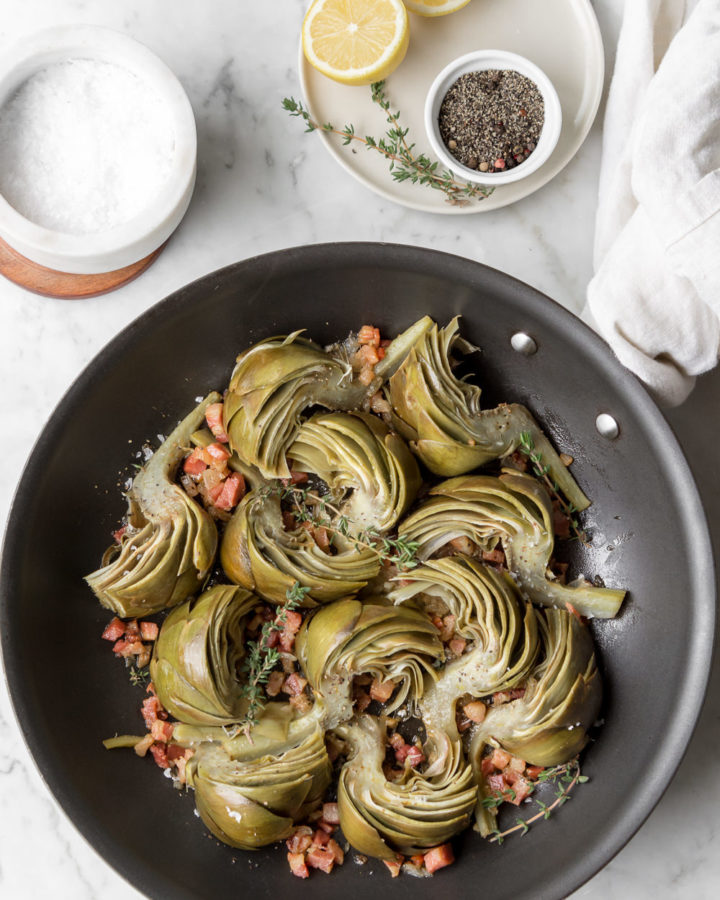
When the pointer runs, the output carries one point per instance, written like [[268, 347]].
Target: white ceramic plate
[[562, 37]]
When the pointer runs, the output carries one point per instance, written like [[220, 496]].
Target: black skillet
[[649, 536]]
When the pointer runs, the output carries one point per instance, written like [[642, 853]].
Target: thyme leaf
[[541, 471], [139, 677]]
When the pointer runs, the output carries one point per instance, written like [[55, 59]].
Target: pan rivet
[[607, 426], [523, 343]]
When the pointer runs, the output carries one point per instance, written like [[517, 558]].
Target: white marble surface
[[262, 185]]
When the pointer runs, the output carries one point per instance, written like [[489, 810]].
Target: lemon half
[[435, 7], [355, 41]]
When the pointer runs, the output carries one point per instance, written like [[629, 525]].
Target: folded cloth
[[655, 295]]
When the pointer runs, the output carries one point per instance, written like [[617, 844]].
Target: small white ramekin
[[478, 61], [126, 244]]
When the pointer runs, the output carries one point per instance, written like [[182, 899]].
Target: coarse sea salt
[[85, 145]]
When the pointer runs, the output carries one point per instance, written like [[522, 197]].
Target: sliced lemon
[[355, 41], [435, 7]]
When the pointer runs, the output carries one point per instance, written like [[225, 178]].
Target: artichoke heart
[[276, 380], [251, 803], [349, 638], [169, 546], [441, 416], [515, 509], [197, 657], [380, 817], [357, 454], [261, 553], [490, 613]]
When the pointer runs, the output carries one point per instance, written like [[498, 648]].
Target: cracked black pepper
[[491, 120]]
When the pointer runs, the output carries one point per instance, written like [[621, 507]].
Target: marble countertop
[[259, 189]]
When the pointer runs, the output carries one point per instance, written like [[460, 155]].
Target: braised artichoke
[[264, 555], [275, 381], [380, 817], [491, 615], [170, 543], [197, 656], [347, 638], [251, 803], [356, 454], [442, 418], [516, 510], [548, 725]]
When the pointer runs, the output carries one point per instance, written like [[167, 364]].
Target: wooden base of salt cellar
[[64, 285]]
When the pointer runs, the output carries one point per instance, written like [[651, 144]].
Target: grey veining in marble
[[264, 184]]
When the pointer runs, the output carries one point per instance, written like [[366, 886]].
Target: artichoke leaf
[[276, 729], [252, 803], [237, 821], [169, 546]]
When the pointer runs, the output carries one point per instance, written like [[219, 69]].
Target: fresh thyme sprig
[[542, 471], [405, 164], [261, 659], [565, 777], [312, 508], [138, 677]]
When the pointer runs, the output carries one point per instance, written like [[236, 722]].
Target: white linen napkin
[[655, 295]]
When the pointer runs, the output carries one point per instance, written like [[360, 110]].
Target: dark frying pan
[[649, 534]]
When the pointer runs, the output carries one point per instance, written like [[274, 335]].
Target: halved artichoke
[[275, 381], [490, 613], [516, 510], [251, 803], [368, 468], [347, 638], [260, 553], [380, 817], [170, 544], [197, 656], [441, 417], [547, 726]]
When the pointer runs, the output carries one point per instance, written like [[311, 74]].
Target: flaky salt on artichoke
[[516, 510], [548, 725], [253, 802], [421, 810], [491, 615], [275, 381], [349, 638], [170, 543], [442, 417], [260, 551], [197, 656], [358, 457]]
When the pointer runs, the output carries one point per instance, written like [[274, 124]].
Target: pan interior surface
[[648, 536]]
